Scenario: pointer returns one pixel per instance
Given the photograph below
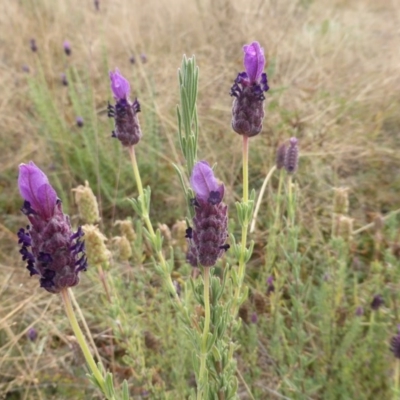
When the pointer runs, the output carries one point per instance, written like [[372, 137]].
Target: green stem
[[245, 169], [396, 380], [205, 331], [149, 226], [81, 338]]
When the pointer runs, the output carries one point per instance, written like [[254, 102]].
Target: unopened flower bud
[[292, 156], [124, 247], [64, 79], [126, 229], [96, 250], [166, 233], [32, 334], [395, 344], [87, 204], [341, 201]]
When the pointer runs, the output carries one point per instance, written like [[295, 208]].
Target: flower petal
[[35, 188], [203, 181], [119, 85], [254, 61]]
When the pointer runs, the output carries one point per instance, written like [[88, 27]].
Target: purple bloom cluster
[[67, 48], [127, 129], [248, 90], [208, 236], [49, 246], [395, 344]]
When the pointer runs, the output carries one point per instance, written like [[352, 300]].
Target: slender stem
[[205, 331], [149, 226], [396, 379], [85, 325], [245, 169], [81, 338]]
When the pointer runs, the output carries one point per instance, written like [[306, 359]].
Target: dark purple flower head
[[395, 343], [127, 128], [377, 302], [280, 156], [64, 79], [79, 122], [119, 86], [208, 236], [132, 59], [270, 285], [248, 90], [97, 5], [33, 44], [254, 318], [32, 334], [359, 311], [49, 246], [67, 48]]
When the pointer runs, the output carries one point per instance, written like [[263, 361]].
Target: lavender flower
[[64, 79], [49, 246], [79, 122], [359, 311], [292, 156], [127, 128], [280, 156], [209, 233], [248, 90], [32, 334], [97, 5], [143, 57], [33, 44], [270, 285], [132, 59], [377, 302], [254, 318], [25, 68], [67, 48], [395, 343]]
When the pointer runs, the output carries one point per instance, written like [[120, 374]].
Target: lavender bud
[[33, 44], [395, 344], [270, 285], [79, 122], [97, 5], [292, 156], [254, 318], [359, 311], [248, 90], [132, 60], [25, 68], [64, 79], [67, 48], [377, 302], [49, 246], [32, 334], [143, 57], [209, 233], [127, 128], [280, 156]]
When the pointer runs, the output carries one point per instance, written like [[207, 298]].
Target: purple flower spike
[[49, 246], [254, 61], [127, 128], [67, 48], [208, 236], [248, 90], [32, 334], [204, 184], [119, 85]]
